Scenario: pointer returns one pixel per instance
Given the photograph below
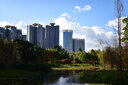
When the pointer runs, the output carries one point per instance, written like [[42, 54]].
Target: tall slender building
[[30, 34], [36, 34], [51, 35], [78, 43], [67, 40]]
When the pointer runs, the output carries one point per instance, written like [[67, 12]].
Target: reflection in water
[[65, 81], [55, 78]]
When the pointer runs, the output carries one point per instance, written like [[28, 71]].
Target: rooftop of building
[[1, 27], [9, 26], [78, 39], [67, 30], [36, 24], [52, 24]]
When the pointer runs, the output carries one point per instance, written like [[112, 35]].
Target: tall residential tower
[[36, 34], [11, 32], [78, 43], [51, 35], [67, 40]]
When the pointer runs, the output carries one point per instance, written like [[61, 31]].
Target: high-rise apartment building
[[67, 40], [36, 34], [78, 43], [2, 33], [10, 32], [51, 36]]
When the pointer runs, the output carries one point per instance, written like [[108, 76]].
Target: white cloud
[[65, 15], [4, 23], [114, 23], [23, 26], [19, 25], [87, 8], [80, 9], [90, 34]]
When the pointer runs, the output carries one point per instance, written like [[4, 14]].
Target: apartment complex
[[46, 37], [35, 34], [51, 35], [71, 44], [11, 32]]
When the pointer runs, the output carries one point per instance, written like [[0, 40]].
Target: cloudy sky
[[92, 20]]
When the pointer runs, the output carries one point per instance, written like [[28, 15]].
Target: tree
[[82, 57], [94, 57], [125, 33], [125, 40], [8, 53], [119, 9], [80, 49]]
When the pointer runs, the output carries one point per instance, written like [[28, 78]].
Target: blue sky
[[99, 13], [46, 10]]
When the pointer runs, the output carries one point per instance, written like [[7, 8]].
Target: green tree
[[80, 49], [125, 33], [8, 53], [94, 57], [82, 57]]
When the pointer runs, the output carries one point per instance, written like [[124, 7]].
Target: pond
[[62, 77]]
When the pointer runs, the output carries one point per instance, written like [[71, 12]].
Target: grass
[[104, 76], [15, 73], [76, 67]]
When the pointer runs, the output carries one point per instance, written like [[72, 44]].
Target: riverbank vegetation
[[103, 76]]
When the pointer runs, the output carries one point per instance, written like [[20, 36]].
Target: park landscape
[[23, 63]]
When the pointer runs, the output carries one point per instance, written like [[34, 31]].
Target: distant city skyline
[[89, 19]]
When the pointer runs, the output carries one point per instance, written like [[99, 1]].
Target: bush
[[33, 66]]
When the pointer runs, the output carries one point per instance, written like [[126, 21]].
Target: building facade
[[51, 36], [24, 37], [67, 40], [2, 33], [19, 34], [10, 32], [36, 34], [78, 43]]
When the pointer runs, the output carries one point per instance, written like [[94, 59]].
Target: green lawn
[[76, 67]]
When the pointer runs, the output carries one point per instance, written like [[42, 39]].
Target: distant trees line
[[17, 52]]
